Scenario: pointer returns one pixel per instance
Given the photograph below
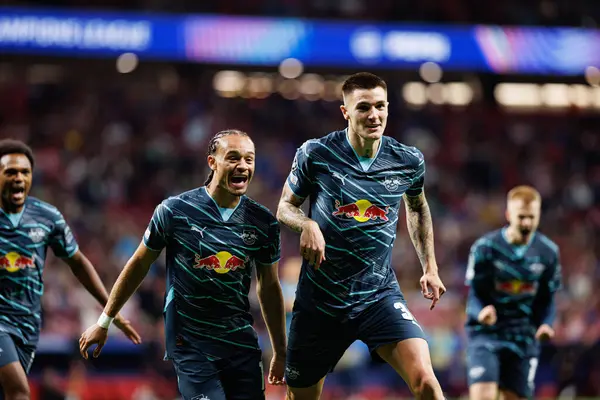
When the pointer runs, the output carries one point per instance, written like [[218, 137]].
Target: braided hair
[[212, 147]]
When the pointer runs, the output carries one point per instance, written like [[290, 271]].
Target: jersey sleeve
[[270, 252], [300, 179], [544, 307], [479, 278], [61, 240], [157, 234], [418, 179]]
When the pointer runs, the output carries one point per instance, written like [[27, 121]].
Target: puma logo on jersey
[[200, 231], [339, 176]]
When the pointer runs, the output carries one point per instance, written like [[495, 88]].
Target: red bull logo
[[516, 287], [13, 262], [362, 211], [221, 263]]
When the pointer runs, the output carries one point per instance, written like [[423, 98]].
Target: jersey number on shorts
[[405, 313], [533, 363]]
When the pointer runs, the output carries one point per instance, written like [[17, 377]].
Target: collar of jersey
[[358, 158], [19, 216], [221, 209], [519, 249]]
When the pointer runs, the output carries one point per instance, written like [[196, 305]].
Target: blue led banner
[[268, 41]]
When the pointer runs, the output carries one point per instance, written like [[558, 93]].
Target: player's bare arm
[[270, 298], [85, 273], [312, 242], [127, 283], [289, 212], [420, 229]]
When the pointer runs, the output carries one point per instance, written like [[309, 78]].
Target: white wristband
[[104, 321]]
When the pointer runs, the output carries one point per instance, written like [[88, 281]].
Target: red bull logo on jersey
[[221, 263], [13, 262], [361, 210], [515, 287]]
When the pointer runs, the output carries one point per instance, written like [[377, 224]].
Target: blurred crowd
[[584, 13], [110, 147]]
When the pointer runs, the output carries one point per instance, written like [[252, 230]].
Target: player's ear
[[212, 162], [344, 111], [507, 215]]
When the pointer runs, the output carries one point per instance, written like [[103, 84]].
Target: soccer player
[[513, 274], [214, 235], [356, 179], [29, 226]]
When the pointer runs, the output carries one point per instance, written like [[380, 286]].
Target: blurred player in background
[[29, 226], [214, 235], [513, 274], [356, 179]]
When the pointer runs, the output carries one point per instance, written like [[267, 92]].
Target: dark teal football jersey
[[356, 203], [209, 266], [519, 281], [23, 249]]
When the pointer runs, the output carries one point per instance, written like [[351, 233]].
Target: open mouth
[[17, 194], [239, 181]]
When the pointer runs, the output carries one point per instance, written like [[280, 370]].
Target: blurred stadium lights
[[430, 72], [259, 85], [127, 62], [548, 96], [520, 95], [458, 93], [312, 87], [414, 93], [315, 87], [229, 83], [291, 68], [435, 93], [592, 76], [289, 89]]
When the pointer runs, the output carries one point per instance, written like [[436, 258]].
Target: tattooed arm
[[420, 229], [312, 242], [289, 212]]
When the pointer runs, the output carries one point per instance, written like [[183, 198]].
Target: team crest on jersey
[[37, 235], [249, 236], [200, 397], [392, 183], [537, 268]]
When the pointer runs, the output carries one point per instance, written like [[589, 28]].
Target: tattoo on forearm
[[292, 216], [420, 227]]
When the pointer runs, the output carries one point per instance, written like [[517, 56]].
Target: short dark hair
[[12, 146], [213, 145], [362, 80]]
